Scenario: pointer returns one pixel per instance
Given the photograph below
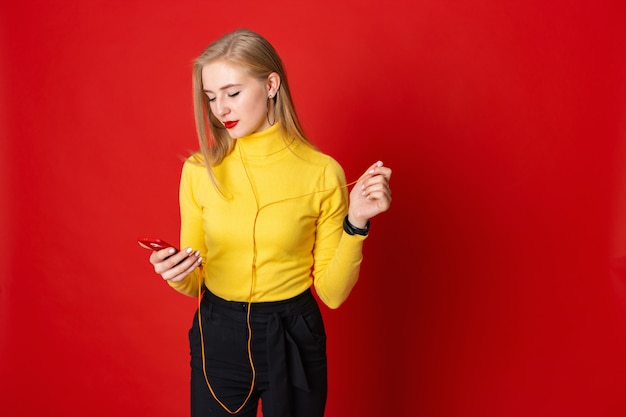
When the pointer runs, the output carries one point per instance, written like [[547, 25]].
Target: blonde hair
[[258, 57]]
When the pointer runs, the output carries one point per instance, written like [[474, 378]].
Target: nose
[[220, 108]]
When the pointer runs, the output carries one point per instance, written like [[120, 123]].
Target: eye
[[234, 94], [209, 99]]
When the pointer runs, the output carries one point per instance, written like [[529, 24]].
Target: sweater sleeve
[[337, 255], [191, 231]]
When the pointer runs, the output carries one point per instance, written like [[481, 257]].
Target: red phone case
[[154, 243]]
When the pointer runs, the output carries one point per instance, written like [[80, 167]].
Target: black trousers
[[288, 353]]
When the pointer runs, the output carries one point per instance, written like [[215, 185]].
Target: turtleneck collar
[[264, 146]]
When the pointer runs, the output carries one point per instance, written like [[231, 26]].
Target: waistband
[[261, 310]]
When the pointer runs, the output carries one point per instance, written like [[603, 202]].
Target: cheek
[[257, 107]]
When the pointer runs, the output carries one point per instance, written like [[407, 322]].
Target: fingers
[[175, 266], [377, 191], [159, 256], [377, 169], [371, 195], [187, 266], [374, 183]]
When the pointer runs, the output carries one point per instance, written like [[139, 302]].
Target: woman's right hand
[[175, 266]]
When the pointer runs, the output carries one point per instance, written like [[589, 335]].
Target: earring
[[267, 111]]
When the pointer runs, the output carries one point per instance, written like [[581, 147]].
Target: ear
[[273, 84]]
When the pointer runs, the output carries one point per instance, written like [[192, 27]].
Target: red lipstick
[[230, 124]]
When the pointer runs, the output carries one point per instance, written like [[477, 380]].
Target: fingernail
[[188, 250], [379, 163], [197, 253], [371, 171], [172, 251], [199, 260]]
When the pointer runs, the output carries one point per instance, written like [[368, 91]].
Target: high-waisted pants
[[288, 349]]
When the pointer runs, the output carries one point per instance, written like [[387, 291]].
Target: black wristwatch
[[352, 230]]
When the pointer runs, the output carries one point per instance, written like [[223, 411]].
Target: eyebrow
[[226, 87]]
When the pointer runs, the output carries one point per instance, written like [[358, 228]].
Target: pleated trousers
[[288, 349]]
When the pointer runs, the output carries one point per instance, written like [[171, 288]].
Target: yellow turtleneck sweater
[[278, 228]]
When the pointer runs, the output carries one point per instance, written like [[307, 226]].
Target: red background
[[486, 289]]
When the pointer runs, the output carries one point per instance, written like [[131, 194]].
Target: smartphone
[[154, 243]]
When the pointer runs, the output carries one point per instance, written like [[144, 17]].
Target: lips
[[230, 124]]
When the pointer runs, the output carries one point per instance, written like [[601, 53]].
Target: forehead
[[219, 74]]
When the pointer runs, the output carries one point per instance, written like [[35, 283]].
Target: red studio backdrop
[[494, 286]]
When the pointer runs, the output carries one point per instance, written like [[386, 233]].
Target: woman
[[264, 216]]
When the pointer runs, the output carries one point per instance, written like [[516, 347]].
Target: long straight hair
[[257, 56]]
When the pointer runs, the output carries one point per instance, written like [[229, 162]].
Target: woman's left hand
[[370, 196]]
